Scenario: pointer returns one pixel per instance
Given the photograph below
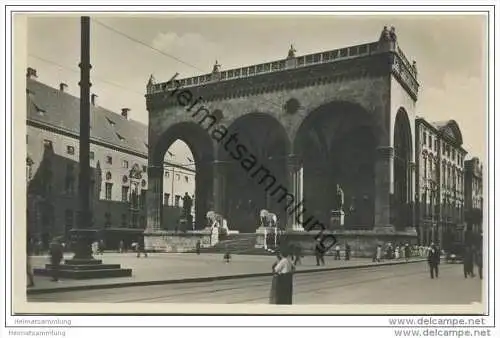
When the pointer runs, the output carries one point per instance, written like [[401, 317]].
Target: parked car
[[455, 253]]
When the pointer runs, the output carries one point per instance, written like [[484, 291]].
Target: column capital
[[293, 160], [385, 152], [155, 171]]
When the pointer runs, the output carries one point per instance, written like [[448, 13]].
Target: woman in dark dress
[[272, 295], [284, 280]]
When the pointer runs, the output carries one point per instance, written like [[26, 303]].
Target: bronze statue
[[339, 198], [216, 68]]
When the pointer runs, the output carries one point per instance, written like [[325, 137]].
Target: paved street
[[180, 266], [396, 284]]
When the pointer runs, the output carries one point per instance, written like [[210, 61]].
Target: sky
[[450, 50]]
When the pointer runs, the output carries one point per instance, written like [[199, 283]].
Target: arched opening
[[255, 164], [185, 155], [337, 144], [402, 210]]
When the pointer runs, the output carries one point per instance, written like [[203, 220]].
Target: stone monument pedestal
[[337, 219], [84, 268]]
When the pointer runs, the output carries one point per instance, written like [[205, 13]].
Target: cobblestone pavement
[[394, 284]]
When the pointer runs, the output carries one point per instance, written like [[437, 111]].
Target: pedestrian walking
[[319, 252], [378, 253], [407, 252], [297, 255], [469, 262], [121, 247], [100, 247], [479, 261], [274, 281], [141, 247], [434, 258], [198, 247], [29, 269], [347, 252], [396, 252], [56, 255], [284, 280], [337, 252]]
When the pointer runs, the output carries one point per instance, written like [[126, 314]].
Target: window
[[177, 200], [166, 198], [124, 220], [47, 144], [68, 218], [125, 164], [143, 198], [108, 191], [109, 160], [70, 150], [107, 220], [144, 168], [108, 176], [436, 145], [186, 179], [425, 138], [125, 194], [91, 155], [430, 141]]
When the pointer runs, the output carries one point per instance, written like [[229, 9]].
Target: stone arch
[[202, 148], [337, 144], [261, 139], [403, 154]]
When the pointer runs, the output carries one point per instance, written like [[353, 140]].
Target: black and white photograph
[[239, 159]]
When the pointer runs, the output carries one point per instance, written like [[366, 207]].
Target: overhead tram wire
[[162, 52], [78, 71]]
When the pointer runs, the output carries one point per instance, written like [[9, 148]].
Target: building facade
[[474, 195], [440, 184], [118, 160]]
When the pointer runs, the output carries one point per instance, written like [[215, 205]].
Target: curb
[[204, 279]]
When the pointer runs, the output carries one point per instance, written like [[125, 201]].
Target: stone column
[[219, 187], [154, 198], [411, 195], [294, 174], [384, 167]]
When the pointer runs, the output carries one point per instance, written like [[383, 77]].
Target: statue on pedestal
[[187, 204], [291, 52], [339, 198], [216, 68]]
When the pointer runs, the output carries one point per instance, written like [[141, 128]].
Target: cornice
[[362, 67]]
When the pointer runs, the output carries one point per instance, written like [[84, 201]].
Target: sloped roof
[[450, 128], [61, 110]]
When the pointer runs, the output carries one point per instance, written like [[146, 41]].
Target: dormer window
[[110, 122]]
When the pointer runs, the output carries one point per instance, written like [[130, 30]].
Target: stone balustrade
[[335, 55]]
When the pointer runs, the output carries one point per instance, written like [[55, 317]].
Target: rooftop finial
[[151, 80], [291, 51], [216, 68]]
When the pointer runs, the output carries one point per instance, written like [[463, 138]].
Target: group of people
[[401, 251], [471, 256]]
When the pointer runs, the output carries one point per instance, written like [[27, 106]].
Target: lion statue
[[216, 220], [268, 219]]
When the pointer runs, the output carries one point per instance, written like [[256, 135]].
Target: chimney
[[93, 99], [125, 112], [63, 86], [31, 73]]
